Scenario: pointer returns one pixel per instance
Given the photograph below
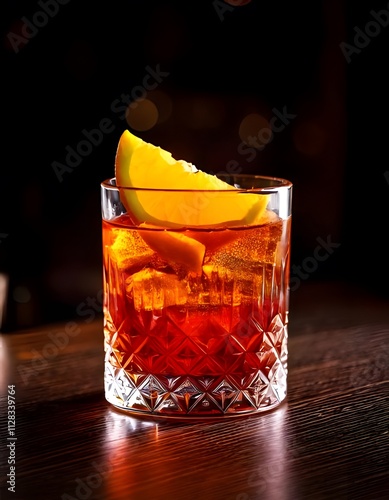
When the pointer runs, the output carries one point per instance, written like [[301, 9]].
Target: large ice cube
[[151, 290], [245, 267], [251, 247], [129, 249]]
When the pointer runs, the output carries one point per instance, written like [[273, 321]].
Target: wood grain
[[329, 440]]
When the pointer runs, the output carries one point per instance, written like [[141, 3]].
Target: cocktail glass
[[196, 318]]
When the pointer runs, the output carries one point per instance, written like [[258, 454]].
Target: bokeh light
[[21, 294], [142, 115], [15, 39], [255, 130], [237, 3], [163, 103], [3, 296]]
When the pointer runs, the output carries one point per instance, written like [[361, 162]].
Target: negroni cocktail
[[195, 315]]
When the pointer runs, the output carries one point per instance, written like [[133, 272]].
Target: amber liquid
[[205, 343]]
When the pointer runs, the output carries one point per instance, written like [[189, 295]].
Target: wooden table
[[330, 440]]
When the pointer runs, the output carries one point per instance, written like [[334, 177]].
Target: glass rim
[[278, 184]]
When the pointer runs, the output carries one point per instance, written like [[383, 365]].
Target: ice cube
[[241, 269], [253, 246], [129, 249], [151, 290]]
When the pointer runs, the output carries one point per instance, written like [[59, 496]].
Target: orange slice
[[175, 247], [204, 199]]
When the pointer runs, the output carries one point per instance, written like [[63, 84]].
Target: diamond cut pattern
[[160, 369]]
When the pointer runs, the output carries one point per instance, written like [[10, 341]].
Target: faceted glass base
[[201, 396]]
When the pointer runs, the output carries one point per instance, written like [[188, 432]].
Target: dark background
[[218, 64]]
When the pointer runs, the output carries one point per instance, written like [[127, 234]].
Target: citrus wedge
[[204, 199], [175, 247]]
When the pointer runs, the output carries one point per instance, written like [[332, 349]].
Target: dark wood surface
[[329, 440]]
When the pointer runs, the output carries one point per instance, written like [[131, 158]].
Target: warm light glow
[[4, 364], [269, 478], [120, 425], [3, 296], [255, 131], [142, 115], [124, 435]]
